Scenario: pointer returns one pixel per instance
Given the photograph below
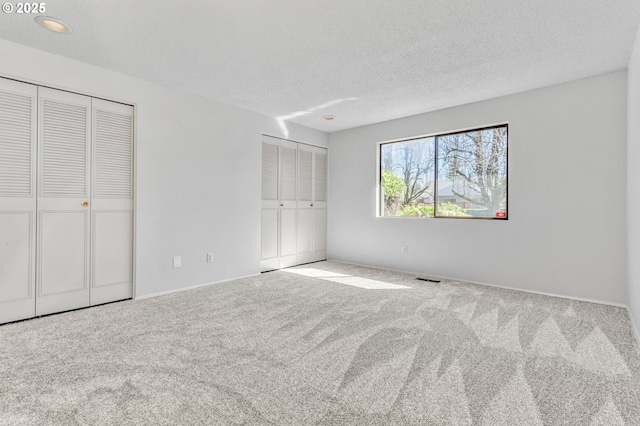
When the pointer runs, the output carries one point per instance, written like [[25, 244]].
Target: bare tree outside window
[[407, 173], [472, 169], [471, 175]]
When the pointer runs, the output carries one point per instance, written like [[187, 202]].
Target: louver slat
[[15, 144], [64, 146], [269, 172], [114, 155]]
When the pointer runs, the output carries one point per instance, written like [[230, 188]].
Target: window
[[461, 175]]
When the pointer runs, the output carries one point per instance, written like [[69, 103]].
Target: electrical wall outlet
[[177, 261], [405, 249], [209, 257]]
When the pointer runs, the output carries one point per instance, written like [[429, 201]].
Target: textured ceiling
[[363, 61]]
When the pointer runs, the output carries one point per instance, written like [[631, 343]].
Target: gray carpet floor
[[329, 344]]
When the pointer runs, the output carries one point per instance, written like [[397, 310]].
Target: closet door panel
[[63, 234], [320, 205], [320, 178], [112, 256], [63, 247], [270, 221], [305, 230], [112, 206], [287, 237], [288, 202], [18, 141], [279, 203], [288, 174], [270, 172], [112, 150], [269, 240], [320, 232], [305, 177], [305, 203], [112, 248], [305, 235], [15, 252]]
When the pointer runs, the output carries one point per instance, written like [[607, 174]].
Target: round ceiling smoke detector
[[329, 117], [53, 24]]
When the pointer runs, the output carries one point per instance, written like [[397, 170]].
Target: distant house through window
[[461, 175]]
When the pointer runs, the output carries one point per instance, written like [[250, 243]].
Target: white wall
[[567, 196], [633, 183], [198, 170]]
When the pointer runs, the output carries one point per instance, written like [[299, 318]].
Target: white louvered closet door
[[288, 203], [270, 214], [312, 204], [320, 205], [294, 203], [112, 202], [18, 135], [279, 203], [305, 203], [64, 220]]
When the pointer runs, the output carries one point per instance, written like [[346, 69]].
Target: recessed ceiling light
[[53, 24], [329, 117]]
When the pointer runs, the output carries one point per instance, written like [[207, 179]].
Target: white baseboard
[[181, 289], [581, 299]]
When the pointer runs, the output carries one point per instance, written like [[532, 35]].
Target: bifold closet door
[[279, 205], [66, 201], [18, 136], [312, 204], [288, 203], [270, 212], [320, 204], [305, 204], [112, 202], [64, 219]]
